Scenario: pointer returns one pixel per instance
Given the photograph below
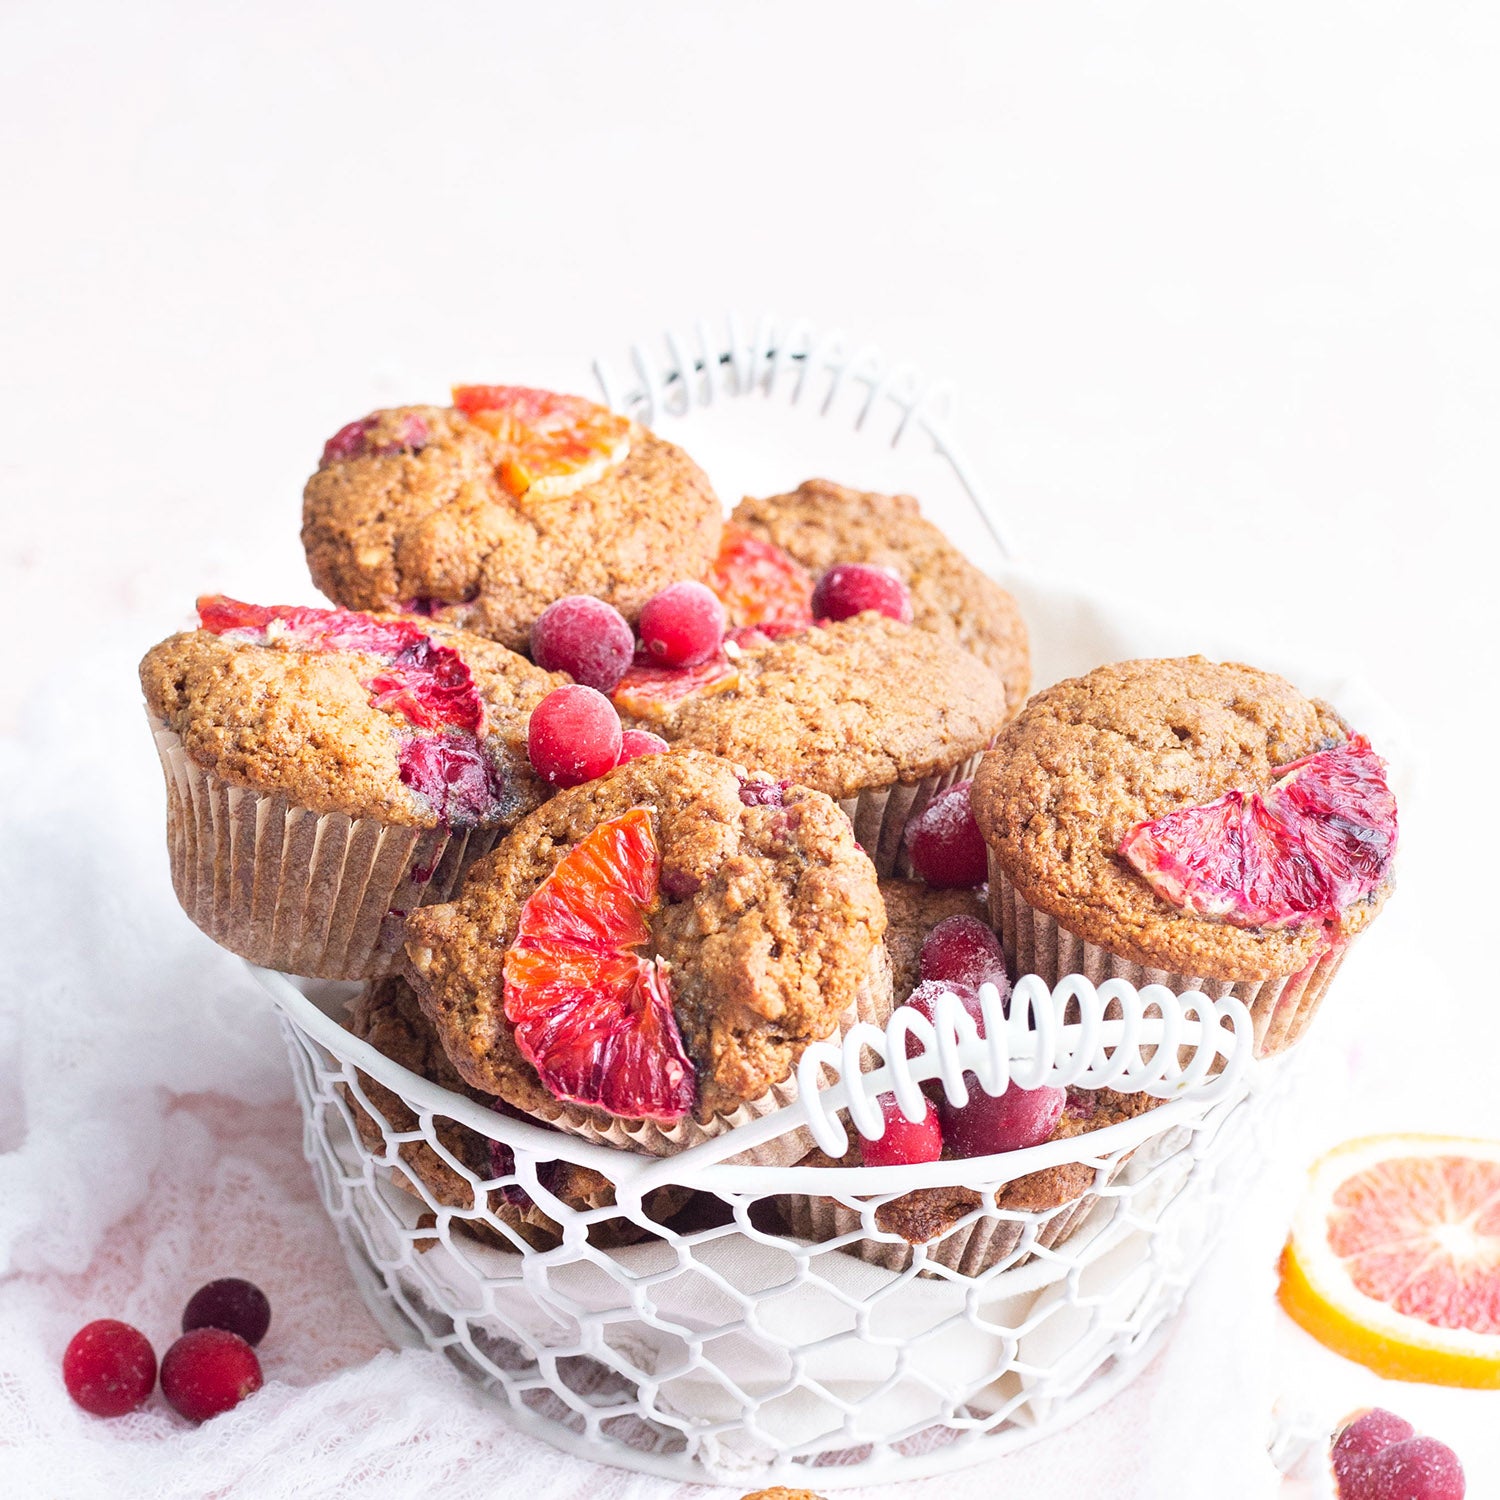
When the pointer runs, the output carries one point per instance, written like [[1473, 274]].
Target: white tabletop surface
[[1217, 286]]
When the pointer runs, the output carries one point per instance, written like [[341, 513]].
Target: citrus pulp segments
[[1320, 1293]]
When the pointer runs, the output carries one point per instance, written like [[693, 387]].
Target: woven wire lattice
[[701, 1319]]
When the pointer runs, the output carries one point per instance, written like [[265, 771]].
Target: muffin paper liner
[[873, 1005], [322, 895], [1036, 943], [970, 1250], [880, 814]]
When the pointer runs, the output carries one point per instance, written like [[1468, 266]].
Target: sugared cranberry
[[1420, 1468], [109, 1368], [574, 736], [635, 743], [944, 843], [682, 626], [348, 442], [962, 949], [209, 1371], [1368, 1433], [925, 999], [849, 589], [232, 1304], [904, 1144], [1016, 1119], [586, 638]]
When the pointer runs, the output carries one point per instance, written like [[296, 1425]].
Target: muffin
[[1056, 1201], [645, 958], [329, 771], [912, 910], [1187, 823], [878, 715], [484, 513], [386, 1015], [821, 523]]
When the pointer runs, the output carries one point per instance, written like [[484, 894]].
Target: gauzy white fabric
[[149, 1142]]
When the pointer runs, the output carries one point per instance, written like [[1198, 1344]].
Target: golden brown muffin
[[738, 917], [821, 523], [410, 511]]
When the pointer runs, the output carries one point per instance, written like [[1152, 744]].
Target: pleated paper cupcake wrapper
[[873, 1005], [1035, 943], [969, 1250], [880, 814], [322, 895]]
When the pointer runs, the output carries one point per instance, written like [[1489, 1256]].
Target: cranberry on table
[[1010, 1122], [209, 1371], [905, 1143], [944, 843], [849, 589], [635, 743], [1378, 1456], [229, 1303], [574, 736], [109, 1368], [683, 625], [586, 638], [963, 950]]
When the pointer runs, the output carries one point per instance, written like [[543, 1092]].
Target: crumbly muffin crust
[[771, 926], [1089, 758], [432, 523], [821, 523], [386, 1014], [863, 703], [912, 910], [300, 723]]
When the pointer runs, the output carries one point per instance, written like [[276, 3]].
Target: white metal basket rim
[[621, 1165]]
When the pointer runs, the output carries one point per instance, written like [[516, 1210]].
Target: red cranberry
[[586, 638], [944, 843], [109, 1368], [209, 1371], [682, 626], [230, 1303], [635, 743], [904, 1144], [348, 442], [962, 950], [574, 735], [760, 792], [1419, 1468], [925, 998], [848, 589], [1016, 1119], [1368, 1433]]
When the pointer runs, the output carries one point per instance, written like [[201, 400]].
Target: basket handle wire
[[792, 360]]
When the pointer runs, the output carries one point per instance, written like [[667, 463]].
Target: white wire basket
[[706, 1320]]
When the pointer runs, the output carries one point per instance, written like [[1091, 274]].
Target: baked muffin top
[[401, 719], [758, 928], [415, 507], [1092, 757], [821, 523], [861, 703], [912, 910]]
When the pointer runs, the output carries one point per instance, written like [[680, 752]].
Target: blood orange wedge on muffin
[[651, 693], [1394, 1258], [592, 1012], [644, 960], [760, 583]]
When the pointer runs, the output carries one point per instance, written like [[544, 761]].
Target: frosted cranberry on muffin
[[821, 525], [386, 1014], [878, 715], [646, 957], [329, 770], [486, 512], [1189, 823]]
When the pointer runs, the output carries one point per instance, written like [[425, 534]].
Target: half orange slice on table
[[1394, 1258]]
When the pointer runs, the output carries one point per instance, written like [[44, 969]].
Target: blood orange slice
[[759, 583], [1319, 840], [1394, 1258], [651, 692], [592, 1011], [550, 444]]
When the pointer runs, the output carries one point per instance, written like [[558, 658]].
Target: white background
[[1217, 284]]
